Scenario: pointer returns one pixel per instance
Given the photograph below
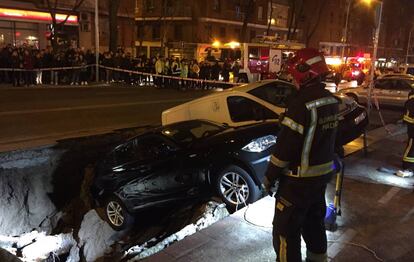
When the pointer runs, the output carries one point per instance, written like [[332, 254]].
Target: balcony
[[170, 12]]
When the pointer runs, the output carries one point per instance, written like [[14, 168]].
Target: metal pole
[[409, 44], [345, 33], [97, 39], [374, 57]]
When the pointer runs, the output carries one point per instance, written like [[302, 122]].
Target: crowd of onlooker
[[31, 60]]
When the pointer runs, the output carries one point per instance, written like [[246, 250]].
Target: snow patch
[[213, 213], [96, 236]]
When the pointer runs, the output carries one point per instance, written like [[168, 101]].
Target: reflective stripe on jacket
[[306, 141]]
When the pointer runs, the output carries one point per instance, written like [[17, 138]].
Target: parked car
[[390, 91], [182, 161], [393, 75], [267, 99]]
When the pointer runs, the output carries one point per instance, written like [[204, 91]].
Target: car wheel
[[236, 187], [353, 96], [117, 215]]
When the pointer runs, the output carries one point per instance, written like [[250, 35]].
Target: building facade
[[396, 23], [29, 22], [181, 25]]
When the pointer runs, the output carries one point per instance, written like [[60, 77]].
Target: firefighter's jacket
[[409, 114], [306, 142]]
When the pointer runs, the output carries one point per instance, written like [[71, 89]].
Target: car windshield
[[188, 132]]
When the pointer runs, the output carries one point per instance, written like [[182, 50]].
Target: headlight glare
[[260, 144]]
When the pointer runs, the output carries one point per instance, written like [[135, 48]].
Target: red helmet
[[306, 65]]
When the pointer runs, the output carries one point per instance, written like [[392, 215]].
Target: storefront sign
[[35, 16]]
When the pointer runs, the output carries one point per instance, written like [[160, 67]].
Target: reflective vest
[[306, 142]]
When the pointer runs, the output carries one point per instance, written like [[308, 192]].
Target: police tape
[[201, 81], [46, 69], [377, 106]]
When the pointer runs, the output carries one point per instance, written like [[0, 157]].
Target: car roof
[[247, 87], [399, 76]]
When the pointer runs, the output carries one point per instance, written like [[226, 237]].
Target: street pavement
[[35, 116], [376, 223]]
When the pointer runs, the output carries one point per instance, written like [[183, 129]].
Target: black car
[[181, 161]]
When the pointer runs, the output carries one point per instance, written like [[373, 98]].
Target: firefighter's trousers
[[300, 210], [408, 158]]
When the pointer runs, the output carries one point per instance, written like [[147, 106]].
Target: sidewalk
[[377, 208]]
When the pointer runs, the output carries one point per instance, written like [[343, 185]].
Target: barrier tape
[[171, 77], [45, 69], [377, 106], [201, 81]]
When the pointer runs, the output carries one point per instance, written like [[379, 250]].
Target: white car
[[261, 101], [390, 91]]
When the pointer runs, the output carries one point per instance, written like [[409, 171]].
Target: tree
[[312, 21], [57, 26], [248, 6], [307, 11], [113, 6], [269, 22]]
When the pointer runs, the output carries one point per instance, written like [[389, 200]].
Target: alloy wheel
[[234, 188], [114, 212]]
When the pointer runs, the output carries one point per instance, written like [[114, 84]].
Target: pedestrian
[[225, 72], [28, 65], [159, 69], [408, 157], [303, 161], [235, 69]]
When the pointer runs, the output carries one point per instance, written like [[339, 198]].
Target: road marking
[[407, 216], [340, 243], [62, 109], [389, 195]]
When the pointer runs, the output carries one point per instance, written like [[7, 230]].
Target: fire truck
[[261, 60]]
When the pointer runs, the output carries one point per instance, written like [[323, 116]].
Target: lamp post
[[378, 19], [345, 32], [409, 44], [97, 40]]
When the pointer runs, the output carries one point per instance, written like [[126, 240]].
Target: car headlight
[[260, 144]]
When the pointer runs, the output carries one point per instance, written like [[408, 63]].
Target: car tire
[[353, 96], [117, 215], [236, 187]]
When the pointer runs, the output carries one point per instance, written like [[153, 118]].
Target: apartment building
[[29, 22], [180, 25]]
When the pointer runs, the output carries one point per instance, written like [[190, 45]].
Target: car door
[[158, 178], [245, 111], [401, 90], [382, 91]]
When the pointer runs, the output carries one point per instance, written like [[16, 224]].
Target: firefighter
[[303, 161], [408, 158]]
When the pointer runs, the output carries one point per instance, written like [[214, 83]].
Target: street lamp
[[378, 18], [97, 40], [345, 32]]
